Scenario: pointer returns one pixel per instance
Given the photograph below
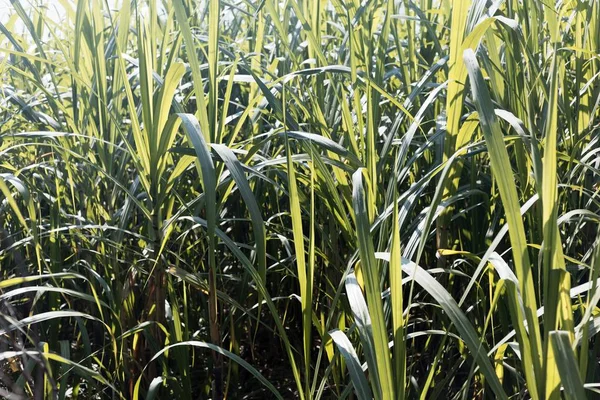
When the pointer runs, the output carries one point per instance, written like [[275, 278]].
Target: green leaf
[[357, 376], [458, 318], [502, 172], [371, 272], [567, 365], [203, 345]]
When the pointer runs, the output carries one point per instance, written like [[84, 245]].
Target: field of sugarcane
[[300, 199]]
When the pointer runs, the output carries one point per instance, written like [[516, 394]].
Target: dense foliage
[[300, 199]]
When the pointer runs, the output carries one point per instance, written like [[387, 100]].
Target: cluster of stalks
[[311, 199]]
